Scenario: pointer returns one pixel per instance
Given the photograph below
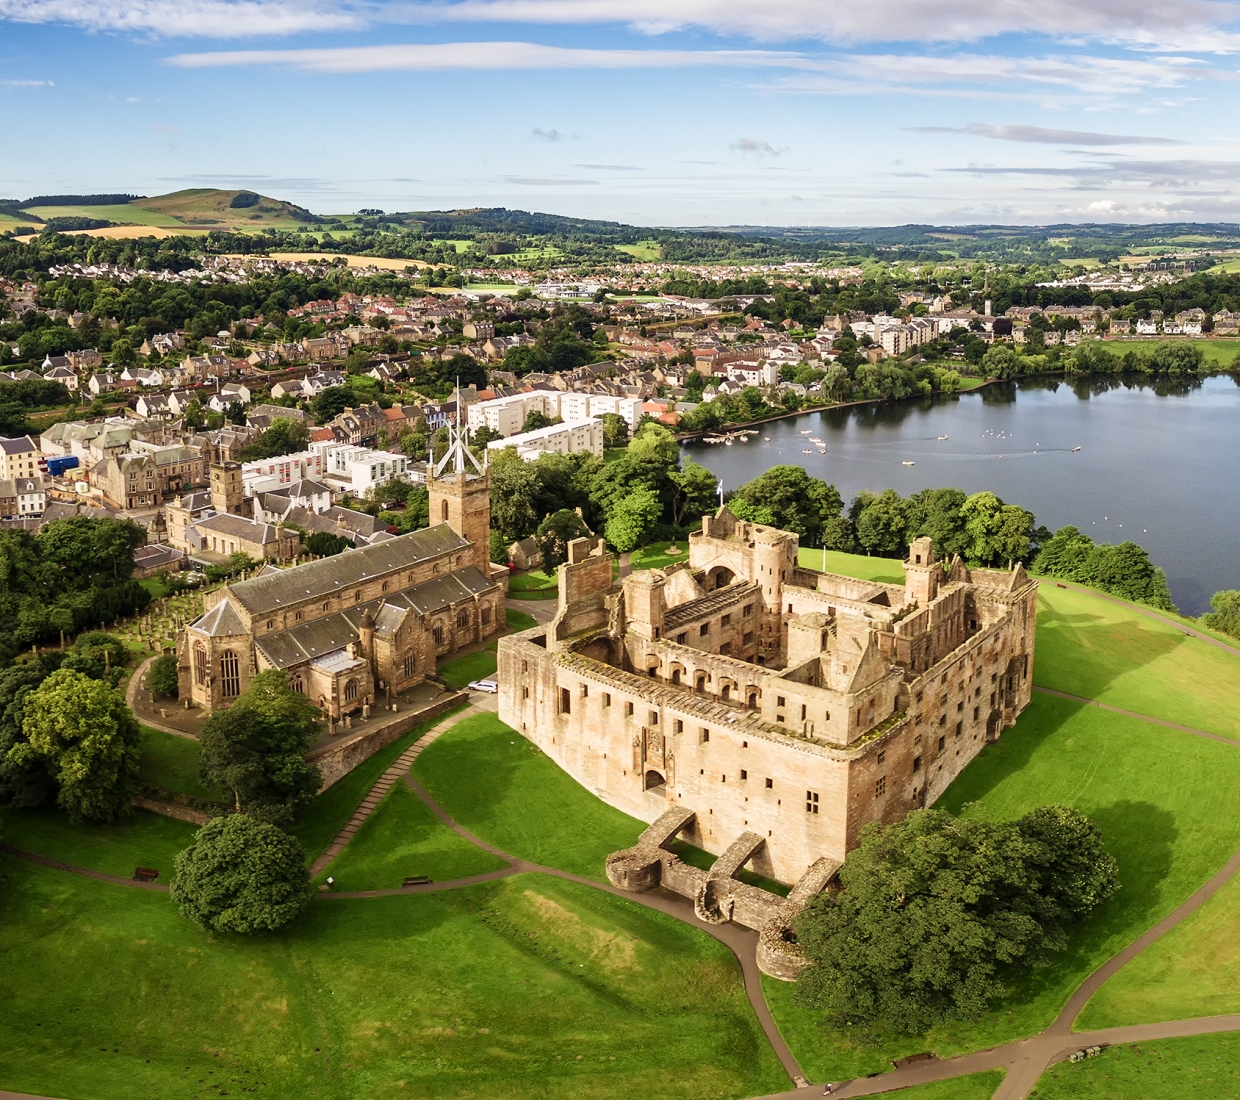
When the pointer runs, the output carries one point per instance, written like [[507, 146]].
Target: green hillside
[[198, 208]]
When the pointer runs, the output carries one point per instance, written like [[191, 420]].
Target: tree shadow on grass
[[1064, 658]]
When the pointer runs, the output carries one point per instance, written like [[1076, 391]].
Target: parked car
[[489, 686]]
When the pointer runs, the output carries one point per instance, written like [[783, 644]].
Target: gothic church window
[[230, 674], [350, 691], [200, 663], [411, 665]]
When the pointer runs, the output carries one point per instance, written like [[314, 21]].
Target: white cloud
[[1172, 24], [187, 18], [755, 147], [484, 55], [1041, 135], [28, 83], [546, 135]]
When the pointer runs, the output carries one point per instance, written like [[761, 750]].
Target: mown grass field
[[976, 1086], [1203, 1067], [1194, 970], [132, 213], [478, 665], [534, 585], [171, 762], [508, 792], [402, 838], [526, 988], [1167, 805]]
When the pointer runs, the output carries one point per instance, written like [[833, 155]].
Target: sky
[[650, 112]]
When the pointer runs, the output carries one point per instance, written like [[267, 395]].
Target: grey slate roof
[[222, 619], [319, 578], [309, 640], [239, 527], [19, 446]]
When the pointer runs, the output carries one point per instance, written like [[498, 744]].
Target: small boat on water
[[807, 451], [808, 431], [942, 437], [767, 438], [906, 462], [1076, 449]]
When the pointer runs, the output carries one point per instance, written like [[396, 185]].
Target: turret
[[922, 573]]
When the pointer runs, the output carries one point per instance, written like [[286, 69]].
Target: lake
[[1158, 462]]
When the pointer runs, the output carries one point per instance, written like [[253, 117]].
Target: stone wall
[[338, 758]]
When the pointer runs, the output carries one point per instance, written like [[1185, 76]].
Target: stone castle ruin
[[764, 711]]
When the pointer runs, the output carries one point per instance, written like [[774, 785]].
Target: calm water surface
[[1159, 463]]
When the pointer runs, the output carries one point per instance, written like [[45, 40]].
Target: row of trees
[[1124, 570]]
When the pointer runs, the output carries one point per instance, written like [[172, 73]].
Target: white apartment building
[[357, 470], [19, 458], [582, 406], [23, 496], [267, 474], [506, 415], [571, 437]]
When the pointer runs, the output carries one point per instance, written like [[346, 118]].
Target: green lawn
[[529, 988], [478, 665], [534, 585], [328, 813], [655, 556], [142, 840], [1204, 1067], [518, 620], [976, 1086], [171, 762], [506, 791], [1194, 970], [886, 570], [1114, 654], [402, 837], [1169, 807]]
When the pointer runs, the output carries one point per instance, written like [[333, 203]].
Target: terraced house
[[763, 709]]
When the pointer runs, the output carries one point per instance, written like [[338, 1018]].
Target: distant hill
[[199, 208]]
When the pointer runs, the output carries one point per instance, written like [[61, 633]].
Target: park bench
[[145, 874], [418, 880]]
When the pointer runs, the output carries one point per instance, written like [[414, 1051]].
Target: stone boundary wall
[[338, 758]]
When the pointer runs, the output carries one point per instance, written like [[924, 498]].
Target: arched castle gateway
[[366, 624], [764, 711]]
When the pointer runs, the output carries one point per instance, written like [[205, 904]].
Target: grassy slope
[[402, 837], [1192, 971], [130, 213], [1205, 1067], [976, 1086], [1114, 654], [142, 840], [172, 762], [1167, 803], [529, 988], [328, 813], [505, 790], [472, 666]]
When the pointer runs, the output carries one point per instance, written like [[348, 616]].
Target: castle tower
[[770, 557], [922, 573], [459, 488], [227, 490], [645, 603]]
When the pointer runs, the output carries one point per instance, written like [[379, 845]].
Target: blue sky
[[658, 112]]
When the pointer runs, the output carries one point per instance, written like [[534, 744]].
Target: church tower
[[227, 490], [459, 488]]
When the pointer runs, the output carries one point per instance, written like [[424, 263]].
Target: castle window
[[411, 578], [770, 784], [959, 707], [916, 764], [882, 756], [680, 726], [230, 674], [654, 717], [703, 630], [297, 684], [525, 666], [297, 617], [753, 698], [744, 774], [942, 719], [566, 701], [880, 786], [747, 638], [681, 639], [462, 618], [607, 698], [411, 664], [327, 606], [747, 609], [437, 633], [703, 736], [385, 586], [350, 690], [435, 568], [811, 802], [976, 712], [726, 620], [443, 511], [779, 700], [628, 710], [525, 693], [959, 728], [270, 623], [942, 742], [200, 663], [357, 596], [585, 690], [700, 684]]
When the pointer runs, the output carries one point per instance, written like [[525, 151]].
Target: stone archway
[[719, 577], [654, 781]]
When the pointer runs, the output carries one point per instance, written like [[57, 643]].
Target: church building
[[362, 626]]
